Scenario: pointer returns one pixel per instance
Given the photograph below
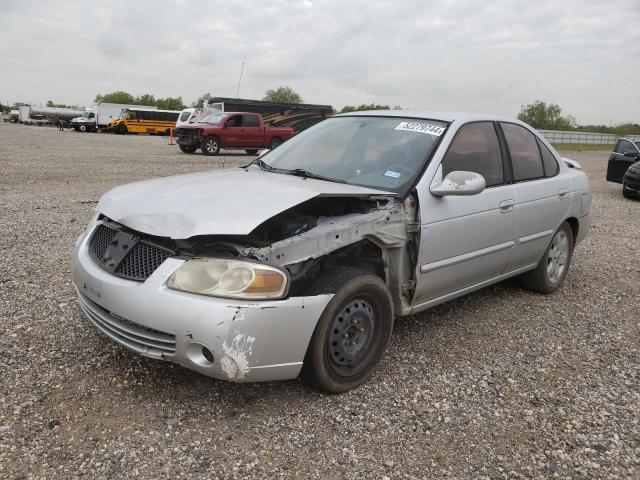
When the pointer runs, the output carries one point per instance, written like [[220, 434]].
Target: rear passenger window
[[551, 167], [475, 148], [250, 121], [525, 156]]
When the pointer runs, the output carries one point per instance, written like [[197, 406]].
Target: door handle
[[563, 193], [506, 206]]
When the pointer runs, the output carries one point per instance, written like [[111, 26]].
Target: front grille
[[138, 264], [142, 261], [100, 241], [188, 135], [144, 340]]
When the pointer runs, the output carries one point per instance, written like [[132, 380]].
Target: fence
[[584, 138]]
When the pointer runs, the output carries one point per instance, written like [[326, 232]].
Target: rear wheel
[[188, 148], [552, 269], [251, 151], [274, 143], [352, 333], [211, 146]]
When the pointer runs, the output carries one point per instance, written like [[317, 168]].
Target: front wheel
[[211, 146], [251, 151], [552, 269], [122, 129], [352, 333], [83, 128]]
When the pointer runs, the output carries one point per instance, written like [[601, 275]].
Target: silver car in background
[[298, 263]]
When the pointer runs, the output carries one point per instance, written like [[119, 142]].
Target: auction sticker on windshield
[[420, 128]]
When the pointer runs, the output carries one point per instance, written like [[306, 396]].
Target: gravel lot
[[502, 383]]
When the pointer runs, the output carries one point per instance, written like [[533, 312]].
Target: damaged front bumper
[[222, 338]]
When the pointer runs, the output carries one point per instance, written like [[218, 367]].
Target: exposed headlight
[[229, 278]]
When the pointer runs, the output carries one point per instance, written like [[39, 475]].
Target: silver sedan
[[298, 263]]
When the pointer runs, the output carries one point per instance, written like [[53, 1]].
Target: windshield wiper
[[301, 172], [264, 166], [297, 172]]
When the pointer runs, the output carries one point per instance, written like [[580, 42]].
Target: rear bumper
[[249, 341]]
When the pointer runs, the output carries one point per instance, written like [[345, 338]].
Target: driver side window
[[235, 121], [475, 148], [623, 146]]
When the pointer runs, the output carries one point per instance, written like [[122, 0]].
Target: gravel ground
[[502, 383]]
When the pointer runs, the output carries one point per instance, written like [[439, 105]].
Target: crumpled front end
[[226, 339]]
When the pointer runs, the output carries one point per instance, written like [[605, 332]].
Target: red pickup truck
[[230, 130]]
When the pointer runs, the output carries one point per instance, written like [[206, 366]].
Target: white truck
[[101, 114]]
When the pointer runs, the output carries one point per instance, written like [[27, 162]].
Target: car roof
[[431, 115]]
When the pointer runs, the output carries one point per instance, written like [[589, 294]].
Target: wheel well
[[575, 226], [363, 255]]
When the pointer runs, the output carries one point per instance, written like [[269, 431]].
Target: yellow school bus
[[144, 121]]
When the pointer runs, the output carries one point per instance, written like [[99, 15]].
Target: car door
[[619, 162], [543, 194], [232, 131], [466, 241], [252, 131]]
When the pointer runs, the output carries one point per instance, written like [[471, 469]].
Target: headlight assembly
[[218, 277]]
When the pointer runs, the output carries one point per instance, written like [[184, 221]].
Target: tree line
[[543, 116]]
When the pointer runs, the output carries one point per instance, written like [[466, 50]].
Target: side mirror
[[629, 153], [459, 183]]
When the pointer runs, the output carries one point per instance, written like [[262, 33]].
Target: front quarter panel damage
[[390, 226], [256, 341]]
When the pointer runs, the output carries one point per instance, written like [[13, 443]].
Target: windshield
[[379, 152], [213, 119]]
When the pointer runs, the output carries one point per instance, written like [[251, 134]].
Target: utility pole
[[239, 80]]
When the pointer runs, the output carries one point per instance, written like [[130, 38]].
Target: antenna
[[239, 80]]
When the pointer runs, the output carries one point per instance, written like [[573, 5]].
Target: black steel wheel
[[352, 333]]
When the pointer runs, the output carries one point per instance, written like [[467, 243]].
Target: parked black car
[[624, 167]]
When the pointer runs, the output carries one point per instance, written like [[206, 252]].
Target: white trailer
[[102, 114]]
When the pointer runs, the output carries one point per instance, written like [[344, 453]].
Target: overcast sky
[[459, 55]]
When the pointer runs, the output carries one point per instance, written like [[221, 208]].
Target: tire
[[82, 128], [211, 146], [275, 143], [188, 148], [251, 151], [352, 333], [552, 269], [625, 193], [122, 129]]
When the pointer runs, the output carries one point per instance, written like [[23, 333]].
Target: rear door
[[252, 132], [466, 240], [543, 194], [618, 162]]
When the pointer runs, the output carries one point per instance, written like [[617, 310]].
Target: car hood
[[224, 202]]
